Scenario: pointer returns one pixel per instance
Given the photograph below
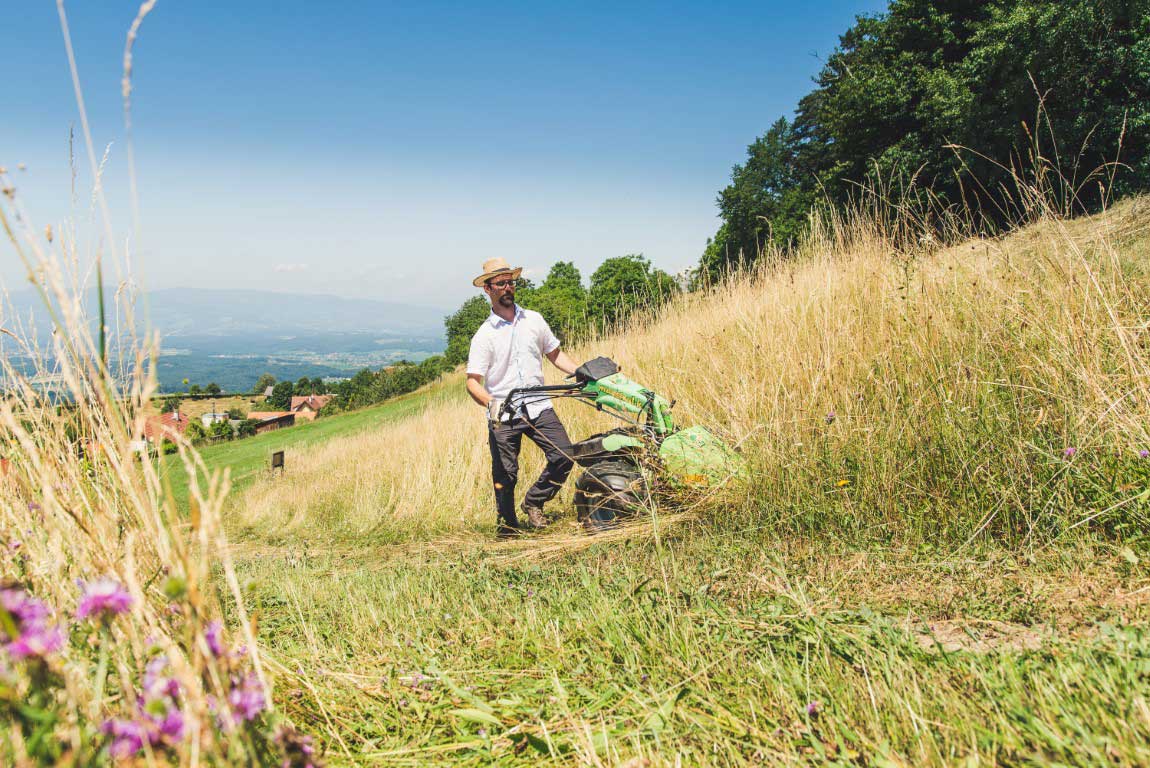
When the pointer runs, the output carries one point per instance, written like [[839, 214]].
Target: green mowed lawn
[[250, 458]]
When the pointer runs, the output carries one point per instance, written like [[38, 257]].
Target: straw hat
[[493, 268]]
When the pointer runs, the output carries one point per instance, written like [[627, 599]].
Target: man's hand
[[494, 406]]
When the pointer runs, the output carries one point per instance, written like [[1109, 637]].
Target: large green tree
[[281, 395], [961, 97], [262, 383], [462, 325], [562, 300], [624, 284]]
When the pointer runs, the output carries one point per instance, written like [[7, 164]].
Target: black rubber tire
[[609, 491]]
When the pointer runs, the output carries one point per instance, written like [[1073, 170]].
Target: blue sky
[[383, 150]]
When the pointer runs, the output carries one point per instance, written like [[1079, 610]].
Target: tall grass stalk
[[81, 506]]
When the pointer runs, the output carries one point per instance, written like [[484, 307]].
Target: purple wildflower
[[171, 726], [644, 677], [830, 418], [813, 708], [212, 636], [103, 599], [34, 636], [127, 736], [15, 544], [156, 684], [33, 506], [1144, 454], [296, 748], [246, 698], [1069, 452], [482, 732]]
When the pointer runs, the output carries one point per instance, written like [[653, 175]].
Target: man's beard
[[507, 300]]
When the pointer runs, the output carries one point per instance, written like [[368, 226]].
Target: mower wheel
[[607, 492]]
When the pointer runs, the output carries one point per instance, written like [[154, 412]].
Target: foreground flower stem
[[102, 670]]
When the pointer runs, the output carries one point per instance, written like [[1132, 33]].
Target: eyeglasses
[[502, 284]]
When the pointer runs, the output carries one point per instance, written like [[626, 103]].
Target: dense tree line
[[618, 288], [955, 97], [369, 387]]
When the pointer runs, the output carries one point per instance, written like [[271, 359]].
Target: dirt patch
[[980, 636]]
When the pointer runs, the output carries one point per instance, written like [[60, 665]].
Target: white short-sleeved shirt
[[509, 355]]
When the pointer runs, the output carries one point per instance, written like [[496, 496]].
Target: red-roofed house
[[308, 407], [165, 426]]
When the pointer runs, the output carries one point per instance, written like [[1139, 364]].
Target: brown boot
[[535, 518]]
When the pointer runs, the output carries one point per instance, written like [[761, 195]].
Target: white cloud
[[290, 267]]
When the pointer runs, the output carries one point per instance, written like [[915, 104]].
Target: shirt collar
[[497, 321]]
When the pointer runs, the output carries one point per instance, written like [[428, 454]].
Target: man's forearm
[[560, 360], [478, 392]]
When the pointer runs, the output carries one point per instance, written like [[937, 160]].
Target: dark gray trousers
[[505, 440]]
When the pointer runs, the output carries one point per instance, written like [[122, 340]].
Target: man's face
[[501, 291]]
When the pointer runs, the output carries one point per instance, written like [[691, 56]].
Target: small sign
[[278, 462]]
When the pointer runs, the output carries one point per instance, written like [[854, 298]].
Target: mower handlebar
[[515, 397]]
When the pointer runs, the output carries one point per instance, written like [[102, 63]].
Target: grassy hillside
[[249, 459], [945, 389], [939, 556]]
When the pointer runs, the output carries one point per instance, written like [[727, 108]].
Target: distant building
[[308, 407], [272, 420], [268, 392], [165, 426], [209, 419]]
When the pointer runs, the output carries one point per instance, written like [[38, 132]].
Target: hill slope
[[941, 387], [939, 556]]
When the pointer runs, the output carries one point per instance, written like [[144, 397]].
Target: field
[[249, 459], [939, 557], [194, 408], [938, 554]]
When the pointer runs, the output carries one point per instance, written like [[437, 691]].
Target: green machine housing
[[693, 456], [620, 465]]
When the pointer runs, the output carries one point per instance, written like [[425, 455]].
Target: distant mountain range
[[232, 336], [214, 311], [225, 311]]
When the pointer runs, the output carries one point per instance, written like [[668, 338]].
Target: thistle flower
[[296, 748], [1144, 454], [212, 636], [103, 599], [33, 637], [246, 698], [1069, 452], [813, 708], [156, 684], [166, 726], [830, 418], [127, 736]]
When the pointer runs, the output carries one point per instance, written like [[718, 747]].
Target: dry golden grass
[[866, 384]]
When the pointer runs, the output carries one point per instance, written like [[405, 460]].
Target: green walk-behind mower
[[623, 467]]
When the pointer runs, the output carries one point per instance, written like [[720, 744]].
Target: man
[[507, 353]]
